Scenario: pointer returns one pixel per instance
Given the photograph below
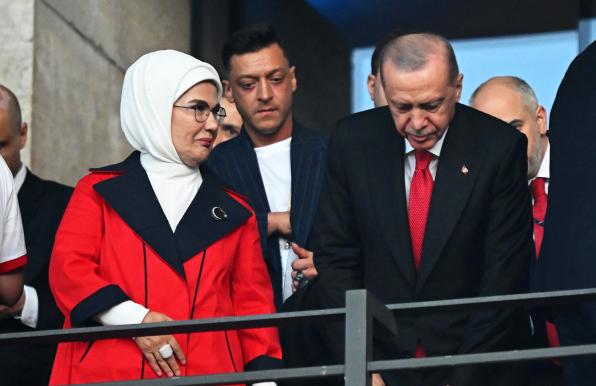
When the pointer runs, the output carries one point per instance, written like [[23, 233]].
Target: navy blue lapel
[[251, 175], [131, 196], [307, 154], [451, 190], [388, 193]]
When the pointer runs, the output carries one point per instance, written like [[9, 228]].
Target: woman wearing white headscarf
[[157, 238]]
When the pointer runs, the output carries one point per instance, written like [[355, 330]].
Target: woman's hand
[[150, 346]]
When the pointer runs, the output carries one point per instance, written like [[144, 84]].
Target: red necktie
[[420, 192], [539, 212]]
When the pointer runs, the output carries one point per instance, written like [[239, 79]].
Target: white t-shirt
[[12, 240], [276, 172]]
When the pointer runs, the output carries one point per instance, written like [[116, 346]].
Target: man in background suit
[[275, 161], [278, 164], [427, 199], [42, 204], [512, 100], [231, 125], [567, 260]]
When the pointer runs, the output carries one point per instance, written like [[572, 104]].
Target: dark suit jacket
[[42, 204], [567, 259], [478, 238], [236, 163]]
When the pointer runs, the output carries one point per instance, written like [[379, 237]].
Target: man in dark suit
[[426, 200], [279, 165], [512, 100], [42, 204], [275, 161], [567, 259]]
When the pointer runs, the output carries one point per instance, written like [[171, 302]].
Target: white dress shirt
[[544, 171], [276, 172], [410, 162]]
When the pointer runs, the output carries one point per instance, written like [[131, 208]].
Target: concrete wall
[[16, 54], [81, 51]]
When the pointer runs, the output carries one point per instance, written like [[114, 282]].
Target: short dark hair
[[13, 107], [411, 51], [250, 39]]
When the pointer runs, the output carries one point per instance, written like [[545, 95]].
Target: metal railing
[[361, 312]]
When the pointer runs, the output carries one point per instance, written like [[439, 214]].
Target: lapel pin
[[465, 170], [218, 213]]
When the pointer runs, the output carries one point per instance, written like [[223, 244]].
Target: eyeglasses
[[202, 112]]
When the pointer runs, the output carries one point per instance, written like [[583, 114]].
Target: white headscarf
[[151, 86]]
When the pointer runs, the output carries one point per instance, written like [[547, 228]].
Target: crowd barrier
[[362, 311]]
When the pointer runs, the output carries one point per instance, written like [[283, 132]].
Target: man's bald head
[[13, 132], [518, 85], [10, 103], [512, 100], [411, 52]]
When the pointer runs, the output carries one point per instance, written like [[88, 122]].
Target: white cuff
[[127, 312], [30, 312], [265, 384]]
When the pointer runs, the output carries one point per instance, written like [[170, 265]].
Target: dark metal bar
[[358, 338], [234, 378], [482, 358], [534, 299], [362, 309], [176, 327], [292, 318]]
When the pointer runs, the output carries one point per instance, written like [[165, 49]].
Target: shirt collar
[[19, 179], [435, 150], [544, 171]]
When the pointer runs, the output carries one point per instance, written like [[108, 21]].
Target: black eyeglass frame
[[202, 112]]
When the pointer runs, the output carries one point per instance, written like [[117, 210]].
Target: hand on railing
[[377, 380], [161, 351]]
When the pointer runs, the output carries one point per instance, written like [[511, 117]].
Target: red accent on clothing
[[538, 211], [13, 264], [420, 193]]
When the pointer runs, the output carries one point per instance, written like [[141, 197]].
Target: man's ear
[[22, 138], [458, 86], [541, 119], [227, 91], [370, 83], [293, 79]]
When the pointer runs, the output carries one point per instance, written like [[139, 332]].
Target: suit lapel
[[305, 160], [388, 194], [255, 189], [247, 161], [29, 193], [131, 196], [459, 164], [200, 227]]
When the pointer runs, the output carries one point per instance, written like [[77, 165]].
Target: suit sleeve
[[252, 295], [508, 253], [337, 248], [48, 315], [75, 279]]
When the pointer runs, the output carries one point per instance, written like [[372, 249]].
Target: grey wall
[[81, 51], [16, 54]]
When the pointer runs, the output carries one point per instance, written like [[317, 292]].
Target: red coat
[[115, 244]]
